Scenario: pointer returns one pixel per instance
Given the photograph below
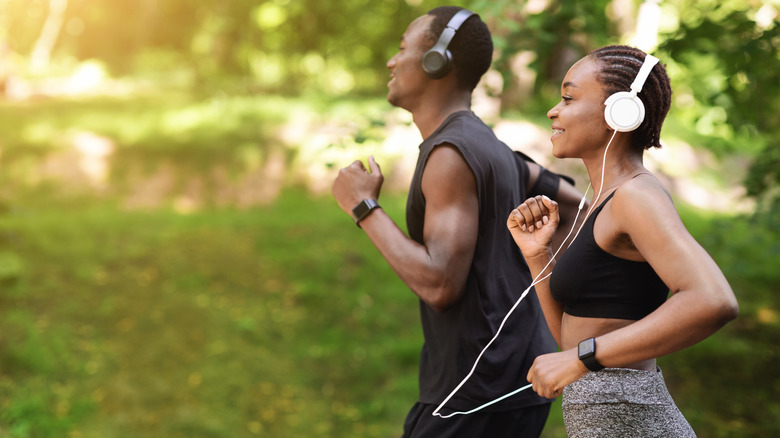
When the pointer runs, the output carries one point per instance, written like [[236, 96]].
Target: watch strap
[[591, 363]]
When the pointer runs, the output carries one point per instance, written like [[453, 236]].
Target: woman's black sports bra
[[590, 282]]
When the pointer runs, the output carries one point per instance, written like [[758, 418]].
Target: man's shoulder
[[466, 129]]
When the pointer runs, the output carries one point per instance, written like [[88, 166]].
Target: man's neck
[[430, 118]]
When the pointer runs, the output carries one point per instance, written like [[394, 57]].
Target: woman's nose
[[553, 112]]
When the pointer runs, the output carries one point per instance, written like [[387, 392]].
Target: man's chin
[[392, 99]]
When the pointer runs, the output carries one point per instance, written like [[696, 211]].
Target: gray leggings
[[620, 402]]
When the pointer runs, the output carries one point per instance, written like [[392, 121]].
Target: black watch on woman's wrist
[[587, 353]]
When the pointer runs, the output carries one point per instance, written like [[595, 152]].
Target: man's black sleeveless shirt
[[497, 277]]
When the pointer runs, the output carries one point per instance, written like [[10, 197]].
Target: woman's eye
[[566, 98]]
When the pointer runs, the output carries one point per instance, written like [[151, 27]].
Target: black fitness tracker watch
[[587, 353], [363, 209]]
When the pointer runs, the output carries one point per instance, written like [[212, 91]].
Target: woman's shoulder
[[643, 199], [642, 190]]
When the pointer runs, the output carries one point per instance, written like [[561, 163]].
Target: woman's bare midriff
[[575, 328]]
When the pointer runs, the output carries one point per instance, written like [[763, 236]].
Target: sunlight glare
[[94, 151], [89, 76], [766, 16], [269, 16], [646, 37]]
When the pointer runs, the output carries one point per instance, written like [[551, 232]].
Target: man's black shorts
[[520, 423]]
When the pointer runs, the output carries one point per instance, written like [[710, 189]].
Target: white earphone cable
[[535, 281]]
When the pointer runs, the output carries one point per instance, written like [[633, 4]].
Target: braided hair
[[619, 66], [471, 47]]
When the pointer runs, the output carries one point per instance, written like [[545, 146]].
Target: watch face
[[585, 347], [360, 209], [363, 209]]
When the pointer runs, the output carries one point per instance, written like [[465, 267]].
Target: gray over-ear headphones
[[437, 61], [624, 111]]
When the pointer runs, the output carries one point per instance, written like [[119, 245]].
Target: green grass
[[279, 321], [273, 320]]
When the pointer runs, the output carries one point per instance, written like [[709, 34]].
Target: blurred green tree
[[723, 55], [730, 56]]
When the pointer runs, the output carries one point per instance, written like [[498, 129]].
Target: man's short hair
[[471, 48]]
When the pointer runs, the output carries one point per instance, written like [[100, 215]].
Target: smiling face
[[407, 78], [578, 119]]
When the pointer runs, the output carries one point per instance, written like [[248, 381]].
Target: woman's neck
[[617, 169]]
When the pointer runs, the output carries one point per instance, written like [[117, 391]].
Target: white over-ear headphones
[[624, 111]]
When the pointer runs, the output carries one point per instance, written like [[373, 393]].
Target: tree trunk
[[41, 53]]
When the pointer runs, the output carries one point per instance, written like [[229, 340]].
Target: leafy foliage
[[284, 45], [558, 35], [731, 65]]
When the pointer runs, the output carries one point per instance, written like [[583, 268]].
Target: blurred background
[[172, 263]]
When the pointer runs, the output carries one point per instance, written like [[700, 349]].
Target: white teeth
[[557, 131]]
